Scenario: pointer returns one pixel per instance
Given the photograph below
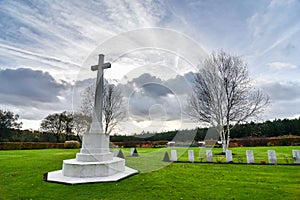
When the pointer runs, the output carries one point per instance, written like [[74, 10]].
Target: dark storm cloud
[[155, 90], [26, 86], [144, 79], [181, 84], [155, 87], [149, 96]]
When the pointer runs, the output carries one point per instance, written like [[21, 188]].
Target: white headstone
[[191, 155], [228, 156], [173, 155], [209, 156], [250, 156], [115, 152], [131, 151], [296, 156], [272, 156]]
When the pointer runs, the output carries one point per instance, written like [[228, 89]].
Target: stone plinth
[[74, 168], [90, 151], [92, 164]]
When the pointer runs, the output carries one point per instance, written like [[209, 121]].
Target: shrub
[[219, 159], [284, 142], [72, 144], [263, 162], [233, 144]]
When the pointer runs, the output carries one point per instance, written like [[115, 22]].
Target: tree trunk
[[223, 140], [228, 137], [57, 138]]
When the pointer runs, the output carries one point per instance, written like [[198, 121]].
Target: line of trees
[[10, 130], [60, 126], [275, 128]]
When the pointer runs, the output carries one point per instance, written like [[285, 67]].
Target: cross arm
[[106, 65], [103, 66]]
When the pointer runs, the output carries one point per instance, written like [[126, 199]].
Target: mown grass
[[21, 174]]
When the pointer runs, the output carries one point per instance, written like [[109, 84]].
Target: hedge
[[271, 141], [29, 145], [141, 144]]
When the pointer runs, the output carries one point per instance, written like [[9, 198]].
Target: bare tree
[[113, 109], [223, 95]]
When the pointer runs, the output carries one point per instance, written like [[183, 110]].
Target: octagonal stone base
[[77, 172], [58, 177]]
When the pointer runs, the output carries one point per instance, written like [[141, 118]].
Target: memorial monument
[[95, 162]]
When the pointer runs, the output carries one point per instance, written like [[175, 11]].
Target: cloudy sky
[[47, 48]]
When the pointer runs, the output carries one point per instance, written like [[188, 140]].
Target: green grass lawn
[[21, 174]]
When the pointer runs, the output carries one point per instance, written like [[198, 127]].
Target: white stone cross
[[96, 125]]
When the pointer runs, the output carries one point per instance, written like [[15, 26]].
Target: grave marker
[[120, 154], [272, 156], [166, 157], [191, 155], [135, 153], [209, 156], [250, 156], [228, 156], [296, 156], [115, 152], [131, 151], [173, 155]]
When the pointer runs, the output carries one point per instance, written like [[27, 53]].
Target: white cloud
[[281, 65]]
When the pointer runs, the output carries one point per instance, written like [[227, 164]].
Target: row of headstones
[[249, 154], [209, 158]]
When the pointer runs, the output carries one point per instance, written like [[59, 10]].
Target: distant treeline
[[273, 128], [17, 135], [268, 128]]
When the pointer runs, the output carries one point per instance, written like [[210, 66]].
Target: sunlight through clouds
[[56, 42]]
